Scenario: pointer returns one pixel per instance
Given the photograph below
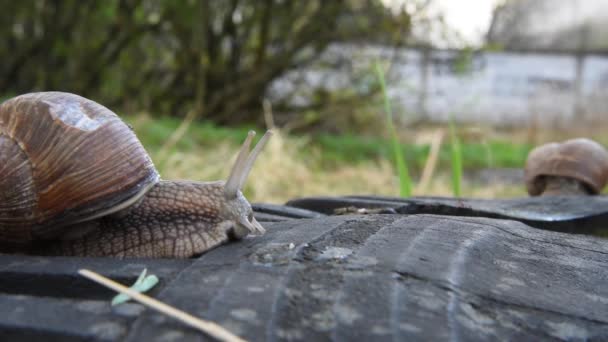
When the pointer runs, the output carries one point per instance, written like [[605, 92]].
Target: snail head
[[236, 210]]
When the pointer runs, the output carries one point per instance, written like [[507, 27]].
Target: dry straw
[[210, 328]]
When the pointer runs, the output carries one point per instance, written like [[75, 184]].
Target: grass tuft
[[405, 182], [294, 166], [456, 159]]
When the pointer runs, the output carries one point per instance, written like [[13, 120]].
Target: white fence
[[497, 88]]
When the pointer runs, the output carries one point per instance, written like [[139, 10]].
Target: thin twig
[[431, 163], [176, 136], [210, 328], [268, 115]]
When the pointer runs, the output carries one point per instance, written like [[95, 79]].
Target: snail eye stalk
[[244, 163]]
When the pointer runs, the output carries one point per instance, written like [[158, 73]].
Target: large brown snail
[[75, 180]]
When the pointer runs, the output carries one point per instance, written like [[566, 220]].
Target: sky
[[469, 18]]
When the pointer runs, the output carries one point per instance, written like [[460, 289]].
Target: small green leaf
[[141, 285]]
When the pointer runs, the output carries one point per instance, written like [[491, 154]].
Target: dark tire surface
[[394, 278]]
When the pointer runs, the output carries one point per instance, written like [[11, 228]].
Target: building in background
[[554, 25], [546, 66]]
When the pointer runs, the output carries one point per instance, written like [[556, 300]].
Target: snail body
[[75, 180]]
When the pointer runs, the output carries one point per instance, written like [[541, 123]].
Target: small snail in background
[[573, 167], [75, 180]]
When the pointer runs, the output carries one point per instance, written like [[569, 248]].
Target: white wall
[[502, 88]]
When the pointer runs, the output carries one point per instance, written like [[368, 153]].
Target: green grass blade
[[142, 284], [456, 160], [405, 182]]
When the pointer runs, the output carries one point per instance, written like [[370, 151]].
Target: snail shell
[[581, 160], [65, 159]]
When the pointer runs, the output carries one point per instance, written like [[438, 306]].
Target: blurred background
[[385, 97]]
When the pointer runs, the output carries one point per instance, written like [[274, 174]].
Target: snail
[[573, 167], [75, 180]]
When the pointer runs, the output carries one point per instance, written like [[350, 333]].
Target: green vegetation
[[294, 165], [351, 149], [218, 58], [327, 151], [405, 182], [456, 160], [198, 67], [153, 133]]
